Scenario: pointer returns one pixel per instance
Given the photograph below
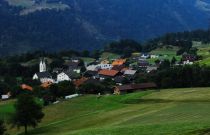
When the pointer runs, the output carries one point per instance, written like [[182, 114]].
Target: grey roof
[[71, 74], [151, 68], [44, 75], [130, 72]]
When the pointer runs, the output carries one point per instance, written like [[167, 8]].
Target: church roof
[[43, 75]]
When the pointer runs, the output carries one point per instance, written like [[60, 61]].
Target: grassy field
[[166, 52], [109, 56], [165, 112], [88, 60], [204, 51]]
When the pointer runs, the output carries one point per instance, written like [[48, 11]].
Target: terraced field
[[164, 112]]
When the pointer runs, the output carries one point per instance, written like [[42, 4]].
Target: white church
[[43, 75]]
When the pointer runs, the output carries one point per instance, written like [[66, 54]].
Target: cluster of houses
[[95, 73], [118, 70]]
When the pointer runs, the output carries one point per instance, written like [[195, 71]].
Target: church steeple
[[42, 66]]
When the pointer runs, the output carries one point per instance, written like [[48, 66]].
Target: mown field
[[164, 112]]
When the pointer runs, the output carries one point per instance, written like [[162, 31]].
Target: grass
[[204, 51], [166, 53], [109, 56], [6, 109], [165, 50], [88, 60], [165, 112]]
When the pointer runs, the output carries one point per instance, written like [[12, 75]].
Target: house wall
[[35, 77], [63, 77]]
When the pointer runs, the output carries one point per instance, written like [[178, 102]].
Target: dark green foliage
[[183, 76], [91, 88], [165, 64], [28, 112], [173, 61], [65, 88], [124, 47], [2, 127]]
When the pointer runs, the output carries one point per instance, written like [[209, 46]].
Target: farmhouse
[[80, 81], [151, 68], [103, 74], [133, 87], [118, 62], [130, 72], [64, 76]]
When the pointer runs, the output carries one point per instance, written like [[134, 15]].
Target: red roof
[[26, 87], [107, 72], [80, 81], [46, 84]]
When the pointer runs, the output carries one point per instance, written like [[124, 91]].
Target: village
[[122, 73]]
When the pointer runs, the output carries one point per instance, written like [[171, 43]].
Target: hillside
[[55, 25], [174, 112]]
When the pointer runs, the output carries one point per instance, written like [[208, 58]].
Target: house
[[43, 77], [75, 59], [118, 62], [104, 66], [153, 56], [133, 87], [130, 72], [145, 56], [64, 76], [26, 87], [118, 67], [119, 80], [187, 62], [46, 84], [92, 81], [57, 70], [188, 59], [103, 74], [80, 81], [74, 66], [92, 74], [143, 64], [151, 68], [92, 68], [4, 97]]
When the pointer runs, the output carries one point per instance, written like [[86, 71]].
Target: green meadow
[[159, 112]]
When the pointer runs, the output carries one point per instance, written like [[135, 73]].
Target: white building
[[4, 97], [92, 68], [43, 76], [64, 76], [154, 56], [145, 56], [187, 62], [105, 66]]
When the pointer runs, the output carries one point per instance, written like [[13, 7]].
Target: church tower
[[42, 66]]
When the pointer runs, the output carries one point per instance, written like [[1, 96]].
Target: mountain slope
[[85, 24]]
